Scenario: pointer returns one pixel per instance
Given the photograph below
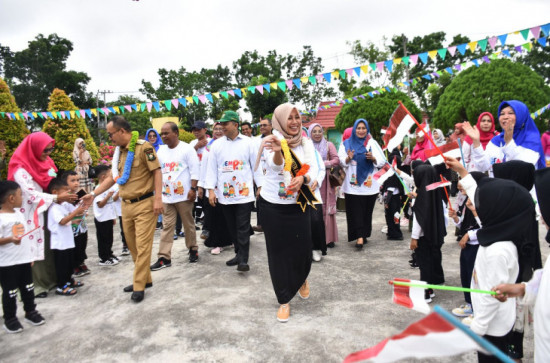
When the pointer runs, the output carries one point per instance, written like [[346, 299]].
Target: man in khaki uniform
[[141, 200]]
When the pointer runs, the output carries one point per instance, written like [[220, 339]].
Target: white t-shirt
[[10, 253], [117, 204], [108, 212], [61, 235], [369, 186], [200, 150], [179, 166]]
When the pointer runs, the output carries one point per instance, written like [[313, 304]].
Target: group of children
[[68, 241]]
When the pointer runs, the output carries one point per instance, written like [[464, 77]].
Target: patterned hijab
[[357, 144], [27, 157], [321, 146], [280, 123]]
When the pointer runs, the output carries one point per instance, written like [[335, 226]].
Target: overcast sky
[[120, 42]]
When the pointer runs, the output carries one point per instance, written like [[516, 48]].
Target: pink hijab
[[347, 134], [280, 121], [27, 156]]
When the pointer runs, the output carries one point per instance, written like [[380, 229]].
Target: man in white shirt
[[179, 165], [246, 129], [200, 144], [231, 169]]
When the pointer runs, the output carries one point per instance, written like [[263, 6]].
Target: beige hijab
[[76, 151], [280, 121]]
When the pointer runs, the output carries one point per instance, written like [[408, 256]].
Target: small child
[[393, 190], [62, 238], [15, 260], [104, 219], [80, 229]]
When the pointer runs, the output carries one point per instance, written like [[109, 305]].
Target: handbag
[[336, 176], [91, 172]]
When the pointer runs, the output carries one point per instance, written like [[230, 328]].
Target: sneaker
[[283, 313], [113, 257], [463, 311], [384, 229], [316, 254], [125, 251], [13, 326], [78, 272], [108, 262], [175, 236], [205, 234], [432, 293], [193, 255], [216, 251], [304, 290], [34, 318], [160, 264], [85, 268], [468, 320], [427, 296], [159, 226], [181, 234]]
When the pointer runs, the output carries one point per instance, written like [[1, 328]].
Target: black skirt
[[359, 215], [318, 235], [217, 227], [288, 242]]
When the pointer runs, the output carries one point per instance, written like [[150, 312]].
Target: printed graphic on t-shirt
[[283, 193], [234, 188], [353, 181], [232, 165], [18, 229], [78, 224]]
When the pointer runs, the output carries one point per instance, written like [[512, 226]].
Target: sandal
[[76, 284], [67, 290]]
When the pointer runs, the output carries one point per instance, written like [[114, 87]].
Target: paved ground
[[210, 312]]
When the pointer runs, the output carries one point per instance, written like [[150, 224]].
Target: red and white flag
[[400, 124], [430, 337], [443, 183], [383, 174], [450, 149], [40, 208], [411, 297]]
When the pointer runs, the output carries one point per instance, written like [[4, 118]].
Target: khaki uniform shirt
[[141, 179]]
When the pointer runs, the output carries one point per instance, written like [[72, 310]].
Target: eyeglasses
[[49, 150], [111, 135], [264, 125]]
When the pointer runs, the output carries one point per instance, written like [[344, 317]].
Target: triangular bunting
[[461, 48], [111, 109], [175, 102], [335, 74], [252, 89], [405, 60], [224, 94], [524, 33], [209, 97], [149, 106], [380, 66], [424, 57], [474, 61], [117, 109], [389, 65], [527, 46], [535, 31], [373, 66], [413, 59], [304, 80], [231, 92], [128, 108], [195, 99], [452, 50], [397, 61], [297, 82], [472, 46], [542, 41], [93, 110], [238, 92], [506, 52], [502, 39], [545, 29], [432, 54], [313, 80], [449, 70], [327, 77], [493, 42], [182, 101], [357, 71], [482, 44], [442, 53], [142, 106]]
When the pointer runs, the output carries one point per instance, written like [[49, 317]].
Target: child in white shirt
[[15, 260], [62, 238], [104, 219]]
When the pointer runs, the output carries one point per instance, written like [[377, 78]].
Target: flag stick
[[404, 204], [446, 194], [488, 346], [461, 154], [29, 232], [442, 287], [425, 133], [387, 162]]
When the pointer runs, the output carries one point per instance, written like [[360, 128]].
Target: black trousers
[[122, 233], [13, 278], [237, 217], [428, 257], [359, 215], [499, 342], [394, 205], [80, 244], [63, 266], [467, 260], [104, 233], [318, 233]]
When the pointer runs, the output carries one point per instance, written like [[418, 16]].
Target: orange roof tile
[[326, 117]]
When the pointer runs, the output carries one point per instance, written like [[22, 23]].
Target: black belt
[[135, 200]]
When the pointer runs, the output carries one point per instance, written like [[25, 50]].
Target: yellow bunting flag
[[72, 114], [35, 114], [472, 46], [189, 100], [365, 69], [304, 80], [432, 54], [335, 74], [397, 61], [216, 94], [273, 85], [117, 109], [94, 111]]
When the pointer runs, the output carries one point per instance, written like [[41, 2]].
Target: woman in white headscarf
[[83, 162]]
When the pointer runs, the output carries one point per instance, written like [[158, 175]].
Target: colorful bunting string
[[388, 65]]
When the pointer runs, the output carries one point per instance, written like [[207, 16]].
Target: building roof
[[326, 117]]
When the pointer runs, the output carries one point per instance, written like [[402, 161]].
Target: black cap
[[199, 125]]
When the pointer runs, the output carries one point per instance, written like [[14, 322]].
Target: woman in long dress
[[32, 168], [285, 201], [83, 162]]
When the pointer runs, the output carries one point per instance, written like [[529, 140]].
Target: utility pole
[[407, 67], [99, 125]]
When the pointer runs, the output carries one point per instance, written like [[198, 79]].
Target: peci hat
[[229, 116], [198, 125]]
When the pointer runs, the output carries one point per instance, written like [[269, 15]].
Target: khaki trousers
[[139, 229], [185, 211]]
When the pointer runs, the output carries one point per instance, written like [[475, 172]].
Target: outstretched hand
[[471, 131]]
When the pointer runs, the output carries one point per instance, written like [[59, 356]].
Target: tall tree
[[65, 130], [264, 104], [11, 131], [34, 72], [539, 60], [377, 110], [483, 88]]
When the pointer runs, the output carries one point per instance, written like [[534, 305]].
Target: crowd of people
[[289, 175]]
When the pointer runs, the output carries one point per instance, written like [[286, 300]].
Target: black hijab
[[506, 211], [393, 181], [519, 171], [428, 208], [542, 185]]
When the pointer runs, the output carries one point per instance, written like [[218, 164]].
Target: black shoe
[[243, 267], [233, 262], [175, 236], [205, 234], [160, 264], [137, 296], [181, 234], [359, 246], [395, 238], [13, 326], [331, 245], [34, 318], [42, 295], [130, 288], [193, 255], [159, 226]]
